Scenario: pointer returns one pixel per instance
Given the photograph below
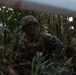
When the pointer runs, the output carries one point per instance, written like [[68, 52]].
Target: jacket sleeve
[[58, 48], [54, 45]]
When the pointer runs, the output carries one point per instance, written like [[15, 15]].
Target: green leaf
[[69, 61]]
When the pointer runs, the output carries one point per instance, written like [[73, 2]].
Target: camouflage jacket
[[26, 49], [44, 42]]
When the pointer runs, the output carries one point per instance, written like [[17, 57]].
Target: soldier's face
[[32, 29]]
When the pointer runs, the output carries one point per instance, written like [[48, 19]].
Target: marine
[[33, 40]]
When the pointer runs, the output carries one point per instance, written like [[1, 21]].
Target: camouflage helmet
[[28, 20]]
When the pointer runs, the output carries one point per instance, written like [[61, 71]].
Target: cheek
[[31, 31]]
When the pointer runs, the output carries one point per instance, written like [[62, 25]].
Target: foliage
[[52, 68]]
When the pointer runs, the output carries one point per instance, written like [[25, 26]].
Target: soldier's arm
[[57, 47], [54, 45]]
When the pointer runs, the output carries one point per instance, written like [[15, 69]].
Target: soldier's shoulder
[[46, 36]]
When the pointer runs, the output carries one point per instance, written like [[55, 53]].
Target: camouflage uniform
[[43, 42]]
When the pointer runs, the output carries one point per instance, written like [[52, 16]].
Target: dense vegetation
[[57, 25]]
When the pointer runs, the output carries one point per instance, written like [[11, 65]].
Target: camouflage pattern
[[27, 21], [28, 46]]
